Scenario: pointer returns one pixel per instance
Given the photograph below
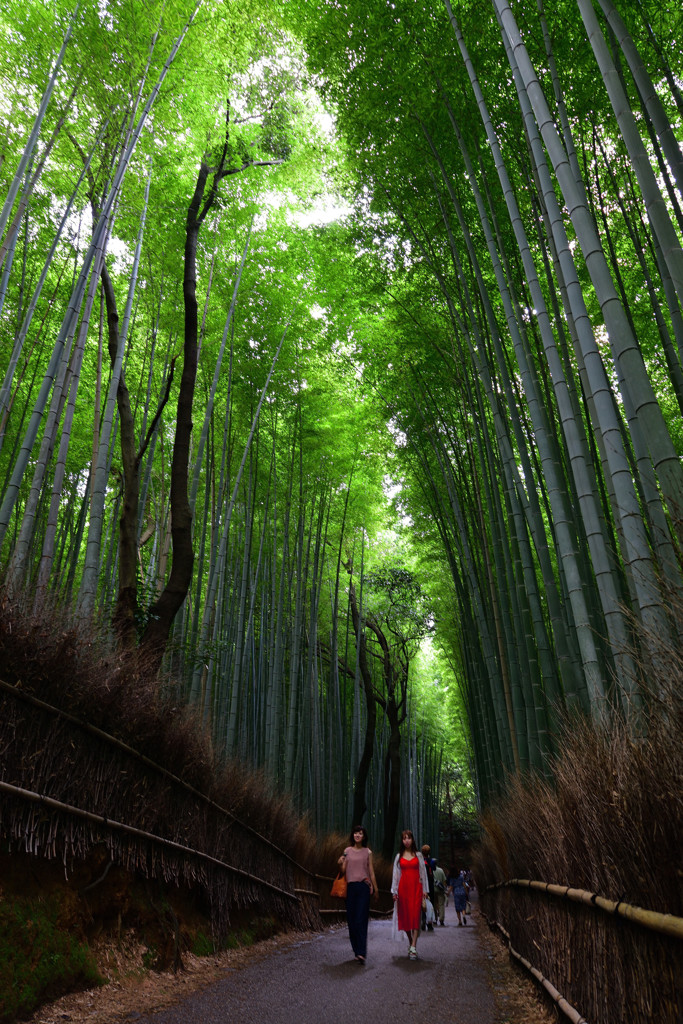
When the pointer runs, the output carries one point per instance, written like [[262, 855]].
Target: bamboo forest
[[341, 362]]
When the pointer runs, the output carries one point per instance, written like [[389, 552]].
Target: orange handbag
[[339, 887]]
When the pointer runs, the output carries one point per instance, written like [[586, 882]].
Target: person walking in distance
[[458, 886], [410, 888], [356, 863], [440, 893]]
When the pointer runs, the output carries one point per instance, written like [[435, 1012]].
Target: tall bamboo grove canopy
[[380, 486]]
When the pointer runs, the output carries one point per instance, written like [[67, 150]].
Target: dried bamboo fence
[[600, 960], [67, 786]]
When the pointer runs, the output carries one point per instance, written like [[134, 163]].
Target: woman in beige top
[[356, 863]]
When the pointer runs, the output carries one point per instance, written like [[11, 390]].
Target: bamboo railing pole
[[665, 924], [567, 1009]]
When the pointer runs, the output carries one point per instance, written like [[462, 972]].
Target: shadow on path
[[317, 982]]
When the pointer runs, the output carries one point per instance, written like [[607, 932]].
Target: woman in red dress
[[410, 889]]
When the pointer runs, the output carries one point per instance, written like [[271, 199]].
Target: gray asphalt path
[[318, 982]]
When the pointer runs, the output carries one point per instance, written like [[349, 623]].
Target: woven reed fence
[[67, 787], [600, 960]]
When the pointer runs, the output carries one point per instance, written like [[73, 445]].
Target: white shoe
[[412, 953]]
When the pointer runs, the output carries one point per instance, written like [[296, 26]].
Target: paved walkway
[[319, 982]]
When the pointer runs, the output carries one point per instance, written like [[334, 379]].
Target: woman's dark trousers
[[357, 913]]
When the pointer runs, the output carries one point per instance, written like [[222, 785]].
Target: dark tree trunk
[[165, 608], [392, 699], [392, 780], [169, 602], [360, 785], [126, 601], [395, 678]]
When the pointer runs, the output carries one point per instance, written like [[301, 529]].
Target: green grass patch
[[202, 945], [255, 931], [39, 961], [258, 929]]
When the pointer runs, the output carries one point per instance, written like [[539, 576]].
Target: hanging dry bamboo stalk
[[119, 826], [149, 800], [114, 741]]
